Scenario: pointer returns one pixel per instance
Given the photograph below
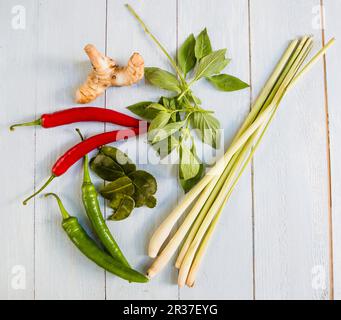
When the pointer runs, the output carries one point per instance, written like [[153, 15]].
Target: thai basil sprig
[[173, 117]]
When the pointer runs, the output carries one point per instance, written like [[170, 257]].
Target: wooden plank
[[17, 95], [291, 174], [226, 272], [61, 271], [333, 29], [125, 36]]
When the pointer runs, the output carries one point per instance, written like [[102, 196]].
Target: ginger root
[[107, 73]]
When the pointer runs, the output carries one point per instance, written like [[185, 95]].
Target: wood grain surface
[[280, 234]]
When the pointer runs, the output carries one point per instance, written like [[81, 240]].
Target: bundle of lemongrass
[[213, 191]]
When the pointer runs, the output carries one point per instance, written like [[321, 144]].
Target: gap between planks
[[35, 165], [105, 127], [252, 164], [330, 210]]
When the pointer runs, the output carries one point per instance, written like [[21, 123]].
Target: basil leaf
[[174, 116], [166, 131], [208, 127], [124, 209], [212, 64], [164, 101], [159, 121], [186, 55], [166, 146], [189, 163], [195, 99], [141, 109], [188, 184], [157, 106], [202, 45], [162, 79], [225, 82]]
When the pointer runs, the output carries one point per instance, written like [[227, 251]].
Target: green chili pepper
[[90, 249], [93, 211]]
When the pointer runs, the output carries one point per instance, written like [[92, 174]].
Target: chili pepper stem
[[63, 211], [26, 124], [86, 177], [40, 190], [80, 134]]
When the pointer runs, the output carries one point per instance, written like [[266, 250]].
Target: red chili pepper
[[78, 151], [81, 114]]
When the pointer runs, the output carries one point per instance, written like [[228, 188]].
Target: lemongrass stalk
[[201, 252], [297, 69], [302, 45], [163, 258], [212, 197], [189, 256], [313, 61], [200, 207], [268, 87], [290, 70], [298, 47], [204, 244]]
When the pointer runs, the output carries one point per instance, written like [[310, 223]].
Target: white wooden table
[[280, 234]]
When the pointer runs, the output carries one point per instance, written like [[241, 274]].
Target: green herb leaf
[[151, 202], [188, 184], [189, 163], [212, 64], [157, 106], [166, 131], [106, 168], [225, 82], [195, 99], [124, 209], [165, 102], [122, 185], [141, 109], [208, 127], [159, 121], [202, 45], [119, 157], [128, 185], [186, 55], [116, 200], [166, 146], [145, 186], [162, 79]]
